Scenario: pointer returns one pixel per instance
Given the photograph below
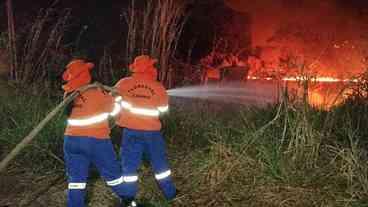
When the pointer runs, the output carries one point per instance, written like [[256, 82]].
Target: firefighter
[[86, 138], [144, 99]]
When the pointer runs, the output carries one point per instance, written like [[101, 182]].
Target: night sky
[[106, 26], [208, 17]]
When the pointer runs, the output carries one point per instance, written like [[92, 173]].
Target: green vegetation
[[3, 40], [19, 115], [225, 155]]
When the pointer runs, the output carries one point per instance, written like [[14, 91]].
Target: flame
[[320, 79], [323, 95]]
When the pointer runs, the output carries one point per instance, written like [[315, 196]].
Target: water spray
[[236, 92]]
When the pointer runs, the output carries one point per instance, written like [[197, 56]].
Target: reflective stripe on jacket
[[143, 101], [90, 112]]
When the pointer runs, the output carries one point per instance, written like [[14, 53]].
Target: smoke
[[318, 29], [323, 16]]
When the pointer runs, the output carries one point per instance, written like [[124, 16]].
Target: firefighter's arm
[[113, 103], [118, 93], [163, 100]]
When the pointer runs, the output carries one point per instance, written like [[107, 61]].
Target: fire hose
[[27, 139]]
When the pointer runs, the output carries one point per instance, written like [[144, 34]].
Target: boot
[[128, 203]]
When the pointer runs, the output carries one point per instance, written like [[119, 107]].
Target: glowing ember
[[314, 79]]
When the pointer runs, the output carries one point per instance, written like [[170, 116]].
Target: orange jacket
[[89, 116], [143, 100]]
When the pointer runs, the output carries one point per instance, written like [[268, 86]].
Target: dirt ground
[[21, 188]]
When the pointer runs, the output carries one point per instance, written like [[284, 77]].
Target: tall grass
[[155, 30], [105, 68], [352, 164], [19, 115], [3, 40], [293, 162], [42, 51], [302, 139], [229, 155]]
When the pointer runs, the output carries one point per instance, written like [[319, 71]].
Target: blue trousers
[[79, 154], [135, 143]]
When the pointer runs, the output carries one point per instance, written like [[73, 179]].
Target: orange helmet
[[77, 74], [143, 66]]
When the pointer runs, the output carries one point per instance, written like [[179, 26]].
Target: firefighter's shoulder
[[123, 82]]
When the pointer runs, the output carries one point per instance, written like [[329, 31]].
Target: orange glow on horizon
[[321, 79]]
